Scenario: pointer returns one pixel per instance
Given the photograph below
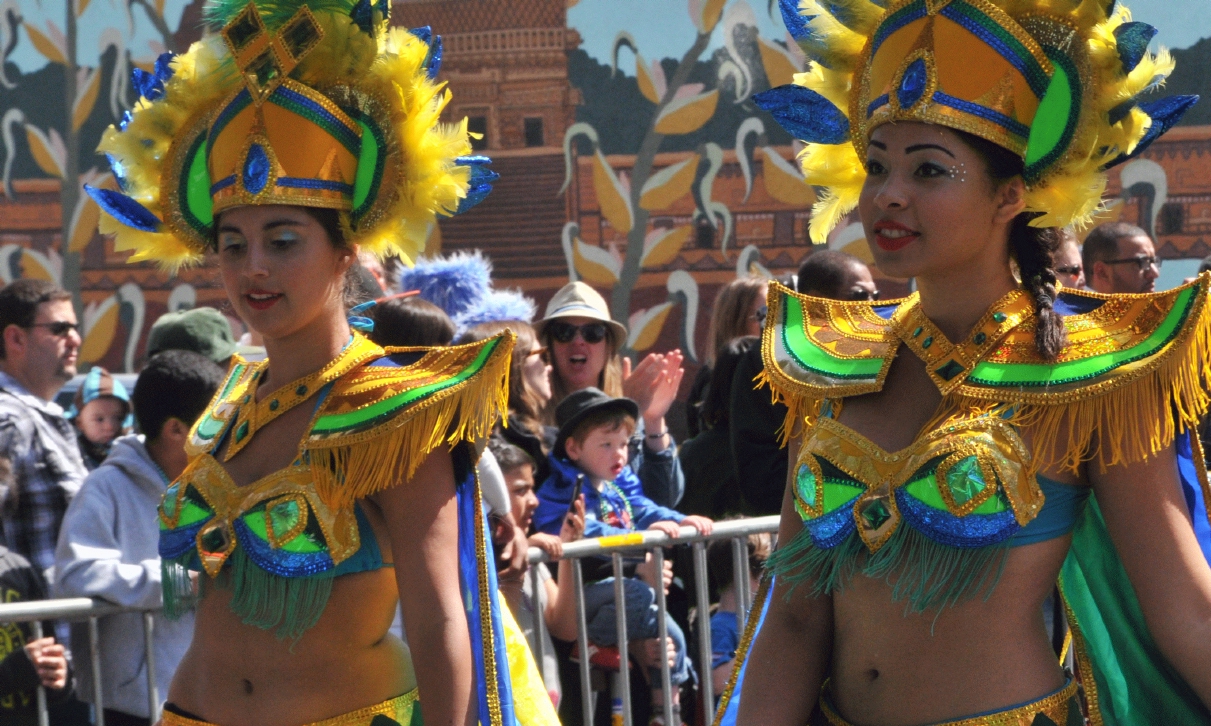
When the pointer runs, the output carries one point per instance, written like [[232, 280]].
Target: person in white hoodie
[[108, 545]]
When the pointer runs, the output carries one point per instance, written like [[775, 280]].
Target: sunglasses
[[58, 328], [1143, 262], [540, 352], [867, 295], [1073, 270], [566, 332]]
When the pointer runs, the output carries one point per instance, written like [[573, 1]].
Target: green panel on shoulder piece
[[337, 422], [1041, 374], [814, 358]]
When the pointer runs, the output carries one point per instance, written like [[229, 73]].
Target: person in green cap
[[205, 331]]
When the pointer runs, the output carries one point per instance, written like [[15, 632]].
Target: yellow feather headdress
[[312, 103], [1057, 82]]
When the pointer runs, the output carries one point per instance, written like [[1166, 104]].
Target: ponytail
[[1033, 248]]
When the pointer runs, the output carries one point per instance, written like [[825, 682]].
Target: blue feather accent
[[1133, 40], [362, 15], [425, 33], [435, 57], [795, 23], [1165, 114], [118, 170], [124, 209], [1119, 112], [480, 183], [805, 114], [497, 306], [455, 283], [163, 67], [147, 84]]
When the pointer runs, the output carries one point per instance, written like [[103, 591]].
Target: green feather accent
[[177, 586], [274, 13], [292, 605], [926, 574]]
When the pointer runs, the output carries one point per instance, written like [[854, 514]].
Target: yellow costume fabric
[[402, 710]]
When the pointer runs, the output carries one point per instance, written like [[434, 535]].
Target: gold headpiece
[[1054, 81], [313, 104]]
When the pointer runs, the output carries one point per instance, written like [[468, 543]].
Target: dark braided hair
[[1032, 248]]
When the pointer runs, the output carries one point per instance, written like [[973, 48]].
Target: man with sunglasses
[[1120, 258], [39, 342]]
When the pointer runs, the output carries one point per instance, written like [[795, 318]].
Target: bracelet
[[660, 435]]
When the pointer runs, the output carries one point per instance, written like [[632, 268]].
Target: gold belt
[[400, 709], [1059, 707]]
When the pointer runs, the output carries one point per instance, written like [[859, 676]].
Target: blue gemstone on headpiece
[[1132, 42], [912, 84], [805, 114], [147, 84], [124, 209], [1165, 114], [435, 57], [256, 169]]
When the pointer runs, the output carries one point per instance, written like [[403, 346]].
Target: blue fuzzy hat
[[455, 283], [497, 305]]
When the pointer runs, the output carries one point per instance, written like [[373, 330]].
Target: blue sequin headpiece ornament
[[1057, 82], [313, 103]]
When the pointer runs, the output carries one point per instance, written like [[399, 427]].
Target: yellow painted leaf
[[45, 45], [646, 326], [612, 196], [37, 266], [647, 85], [43, 151], [784, 182], [594, 264], [82, 5], [706, 14], [86, 100], [669, 184], [780, 66], [687, 115], [160, 8], [84, 223], [661, 246], [101, 331]]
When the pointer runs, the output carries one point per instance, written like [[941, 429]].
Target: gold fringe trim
[[392, 452], [801, 411]]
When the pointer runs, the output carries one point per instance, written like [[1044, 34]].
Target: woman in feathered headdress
[[953, 452], [336, 477]]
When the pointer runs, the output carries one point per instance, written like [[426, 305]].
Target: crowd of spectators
[[584, 451]]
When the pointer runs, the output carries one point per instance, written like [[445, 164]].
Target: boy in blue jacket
[[594, 431]]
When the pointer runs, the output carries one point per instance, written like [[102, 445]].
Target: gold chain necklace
[[252, 415]]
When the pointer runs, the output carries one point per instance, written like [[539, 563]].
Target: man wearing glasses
[[39, 341], [1120, 258]]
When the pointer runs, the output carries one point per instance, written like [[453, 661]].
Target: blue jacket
[[605, 511]]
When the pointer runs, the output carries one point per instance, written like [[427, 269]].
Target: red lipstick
[[893, 236], [261, 299]]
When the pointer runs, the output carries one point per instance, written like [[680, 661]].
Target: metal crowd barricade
[[615, 548], [75, 610]]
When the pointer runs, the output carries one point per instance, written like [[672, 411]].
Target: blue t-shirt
[[725, 637]]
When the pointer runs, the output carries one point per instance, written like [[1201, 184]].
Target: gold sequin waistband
[[399, 708], [1059, 707]]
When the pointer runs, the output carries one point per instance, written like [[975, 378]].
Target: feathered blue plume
[[498, 305], [455, 283]]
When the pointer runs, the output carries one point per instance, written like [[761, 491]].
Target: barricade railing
[[78, 609], [736, 530], [616, 548]]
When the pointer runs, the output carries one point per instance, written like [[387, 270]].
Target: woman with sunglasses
[[953, 452], [334, 481], [582, 342]]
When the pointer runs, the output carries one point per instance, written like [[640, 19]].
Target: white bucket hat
[[578, 300]]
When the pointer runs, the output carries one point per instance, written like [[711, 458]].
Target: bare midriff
[[239, 675]]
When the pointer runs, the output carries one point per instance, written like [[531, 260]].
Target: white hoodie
[[108, 548]]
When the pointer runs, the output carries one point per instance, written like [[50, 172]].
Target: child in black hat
[[591, 447]]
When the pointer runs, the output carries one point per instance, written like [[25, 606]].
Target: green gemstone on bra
[[170, 500], [273, 405], [998, 317], [927, 342], [285, 516], [875, 514], [965, 480], [215, 539], [806, 481], [301, 390], [979, 339], [241, 432]]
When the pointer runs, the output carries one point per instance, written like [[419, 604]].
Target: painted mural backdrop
[[630, 152]]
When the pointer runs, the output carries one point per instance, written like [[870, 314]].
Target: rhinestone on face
[[998, 317], [979, 339], [806, 480], [965, 480]]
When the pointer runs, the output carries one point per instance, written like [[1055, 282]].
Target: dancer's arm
[[793, 646], [1149, 523], [422, 519]]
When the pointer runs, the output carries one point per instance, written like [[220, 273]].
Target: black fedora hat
[[577, 405]]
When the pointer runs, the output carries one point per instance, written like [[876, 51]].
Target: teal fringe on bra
[[926, 574], [292, 605]]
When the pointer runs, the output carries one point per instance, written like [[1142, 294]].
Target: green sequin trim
[[811, 357], [1035, 374], [1035, 75]]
